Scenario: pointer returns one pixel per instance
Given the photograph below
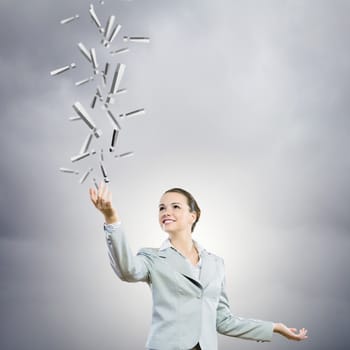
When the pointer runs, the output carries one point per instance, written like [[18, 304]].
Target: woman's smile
[[168, 221]]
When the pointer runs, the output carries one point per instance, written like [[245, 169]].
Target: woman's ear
[[194, 216]]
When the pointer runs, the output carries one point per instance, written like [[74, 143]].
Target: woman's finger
[[92, 195], [104, 193], [100, 189], [302, 334], [108, 202]]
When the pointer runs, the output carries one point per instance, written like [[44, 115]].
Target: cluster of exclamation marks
[[105, 95]]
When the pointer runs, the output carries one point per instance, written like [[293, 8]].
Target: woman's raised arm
[[125, 264]]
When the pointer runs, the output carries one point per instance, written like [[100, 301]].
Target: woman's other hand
[[290, 333]]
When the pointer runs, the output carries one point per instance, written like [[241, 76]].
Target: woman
[[190, 303]]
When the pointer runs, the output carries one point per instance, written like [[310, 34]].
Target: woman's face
[[174, 213]]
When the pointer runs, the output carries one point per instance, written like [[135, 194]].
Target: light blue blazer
[[185, 310]]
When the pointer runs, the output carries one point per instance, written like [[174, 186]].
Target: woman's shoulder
[[213, 256], [148, 251]]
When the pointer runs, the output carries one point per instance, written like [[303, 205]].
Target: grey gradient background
[[247, 107]]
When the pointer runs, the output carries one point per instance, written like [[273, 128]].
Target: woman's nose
[[166, 212]]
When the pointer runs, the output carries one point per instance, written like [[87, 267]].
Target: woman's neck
[[182, 242]]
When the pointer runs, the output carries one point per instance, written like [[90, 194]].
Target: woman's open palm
[[102, 200]]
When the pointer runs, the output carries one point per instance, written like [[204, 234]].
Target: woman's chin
[[167, 229]]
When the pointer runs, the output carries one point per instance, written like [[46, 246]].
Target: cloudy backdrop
[[247, 107]]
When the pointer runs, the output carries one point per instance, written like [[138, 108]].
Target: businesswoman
[[190, 303]]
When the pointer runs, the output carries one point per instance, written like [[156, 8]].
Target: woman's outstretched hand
[[102, 200], [290, 333]]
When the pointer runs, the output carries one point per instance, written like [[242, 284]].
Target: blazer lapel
[[208, 270], [179, 264]]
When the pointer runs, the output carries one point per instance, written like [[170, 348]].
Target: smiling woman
[[191, 202], [190, 304]]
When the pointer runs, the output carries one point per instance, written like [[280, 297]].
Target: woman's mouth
[[167, 221]]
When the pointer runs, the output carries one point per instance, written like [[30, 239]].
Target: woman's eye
[[176, 206], [161, 208]]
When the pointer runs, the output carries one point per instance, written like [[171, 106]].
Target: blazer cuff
[[111, 227], [267, 331]]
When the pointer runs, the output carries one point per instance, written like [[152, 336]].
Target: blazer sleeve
[[230, 325], [127, 266]]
